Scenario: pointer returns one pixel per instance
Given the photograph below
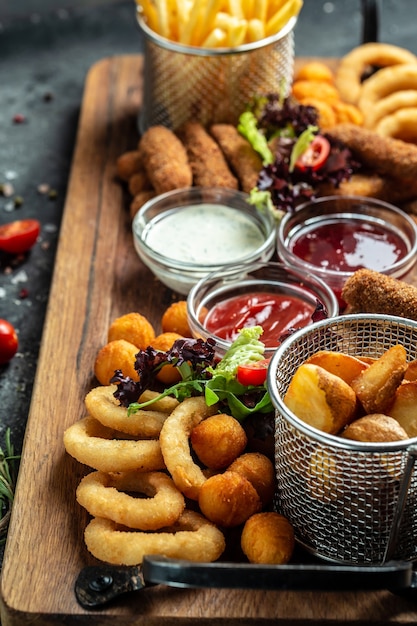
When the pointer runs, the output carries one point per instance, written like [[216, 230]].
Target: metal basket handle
[[370, 21]]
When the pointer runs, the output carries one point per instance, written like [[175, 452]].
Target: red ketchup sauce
[[276, 313], [347, 246]]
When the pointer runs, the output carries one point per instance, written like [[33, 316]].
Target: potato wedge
[[376, 385], [404, 409], [375, 428], [411, 371], [320, 398], [340, 364]]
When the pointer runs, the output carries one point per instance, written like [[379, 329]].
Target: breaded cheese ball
[[218, 440], [268, 538], [175, 319], [260, 471], [115, 355], [132, 327], [169, 374], [228, 499]]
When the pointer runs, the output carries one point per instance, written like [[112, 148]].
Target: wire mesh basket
[[210, 85], [349, 502]]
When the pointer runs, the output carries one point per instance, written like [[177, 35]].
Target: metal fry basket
[[210, 85], [349, 502]]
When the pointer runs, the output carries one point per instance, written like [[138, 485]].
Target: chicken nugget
[[315, 70], [165, 159], [139, 182], [302, 89], [242, 158], [207, 161]]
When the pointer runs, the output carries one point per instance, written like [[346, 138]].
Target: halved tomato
[[253, 373], [19, 236], [8, 341], [316, 154]]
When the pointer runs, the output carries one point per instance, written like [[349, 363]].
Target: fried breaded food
[[373, 186], [387, 81], [315, 70], [165, 159], [175, 319], [115, 355], [268, 538], [139, 182], [228, 499], [242, 158], [383, 155], [133, 327], [139, 200], [302, 89], [168, 374], [260, 471], [326, 113], [392, 103], [354, 66], [218, 440], [400, 125], [128, 164], [367, 291], [207, 161]]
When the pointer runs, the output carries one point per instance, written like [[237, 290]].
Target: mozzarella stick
[[165, 160], [367, 291], [242, 158], [206, 159]]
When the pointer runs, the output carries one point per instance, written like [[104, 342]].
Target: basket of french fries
[[206, 59], [345, 394]]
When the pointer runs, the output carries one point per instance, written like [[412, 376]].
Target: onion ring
[[175, 446], [399, 125], [102, 495], [353, 65], [103, 406], [385, 82], [192, 538], [97, 446], [392, 103]]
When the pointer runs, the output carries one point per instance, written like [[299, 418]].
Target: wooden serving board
[[98, 277]]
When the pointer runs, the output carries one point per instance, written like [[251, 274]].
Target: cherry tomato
[[253, 373], [316, 154], [19, 236], [8, 342]]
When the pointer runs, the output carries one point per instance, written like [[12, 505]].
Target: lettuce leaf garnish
[[195, 360], [248, 128]]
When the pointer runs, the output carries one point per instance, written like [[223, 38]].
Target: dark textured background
[[46, 49]]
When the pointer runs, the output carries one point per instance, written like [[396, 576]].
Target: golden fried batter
[[374, 186], [165, 160], [367, 291], [207, 161], [383, 155], [242, 158], [128, 164]]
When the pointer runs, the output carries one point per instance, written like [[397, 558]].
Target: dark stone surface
[[46, 49]]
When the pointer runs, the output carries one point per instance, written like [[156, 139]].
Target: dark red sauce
[[349, 245], [276, 313]]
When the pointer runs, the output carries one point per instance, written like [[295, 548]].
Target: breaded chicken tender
[[368, 291], [383, 155], [242, 158], [128, 164], [372, 185], [165, 159], [207, 161]]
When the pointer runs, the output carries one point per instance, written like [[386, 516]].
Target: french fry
[[216, 39], [163, 18], [273, 7], [260, 9], [248, 9], [150, 14], [237, 33], [282, 16], [235, 9], [255, 31], [212, 9], [193, 27]]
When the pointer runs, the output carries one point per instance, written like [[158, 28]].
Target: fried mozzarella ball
[[218, 440], [268, 538], [260, 471], [228, 499], [115, 355], [175, 319], [132, 327], [169, 374]]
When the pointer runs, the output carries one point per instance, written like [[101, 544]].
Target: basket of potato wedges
[[345, 394]]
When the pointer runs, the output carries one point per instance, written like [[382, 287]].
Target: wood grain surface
[[97, 277]]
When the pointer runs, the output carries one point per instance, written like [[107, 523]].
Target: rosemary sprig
[[8, 475]]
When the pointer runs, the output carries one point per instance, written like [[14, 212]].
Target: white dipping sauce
[[204, 234]]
